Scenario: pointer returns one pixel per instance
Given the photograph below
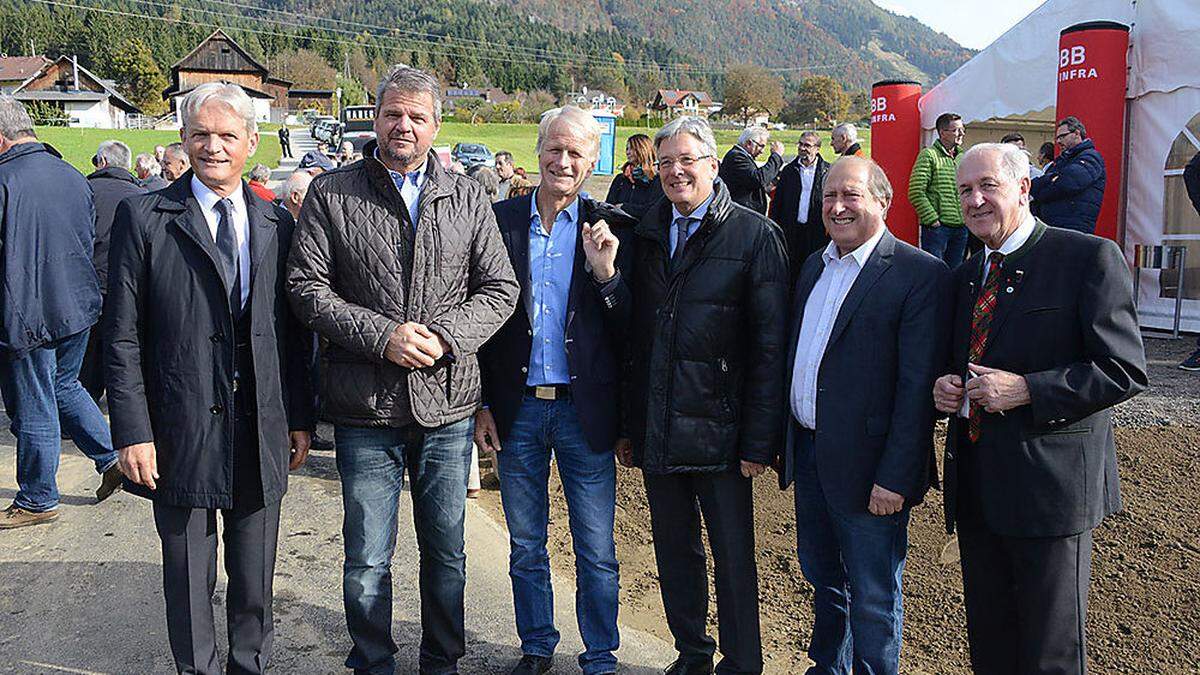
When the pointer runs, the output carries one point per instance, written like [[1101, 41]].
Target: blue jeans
[[854, 562], [372, 463], [589, 478], [946, 242], [43, 397]]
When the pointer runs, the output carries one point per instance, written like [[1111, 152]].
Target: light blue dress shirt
[[697, 216], [551, 263], [409, 185]]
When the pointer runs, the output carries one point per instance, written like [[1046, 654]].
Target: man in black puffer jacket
[[706, 391]]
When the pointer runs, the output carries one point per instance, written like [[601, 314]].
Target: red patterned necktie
[[981, 320]]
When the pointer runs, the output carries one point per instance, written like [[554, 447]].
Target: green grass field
[[520, 139], [78, 145]]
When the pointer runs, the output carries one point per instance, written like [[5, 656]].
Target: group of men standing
[[554, 326]]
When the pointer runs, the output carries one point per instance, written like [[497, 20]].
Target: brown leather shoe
[[15, 516], [110, 482]]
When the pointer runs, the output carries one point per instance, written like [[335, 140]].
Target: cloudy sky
[[973, 23]]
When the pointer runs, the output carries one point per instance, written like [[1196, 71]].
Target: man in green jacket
[[933, 193]]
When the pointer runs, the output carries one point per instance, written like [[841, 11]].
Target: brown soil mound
[[1145, 603]]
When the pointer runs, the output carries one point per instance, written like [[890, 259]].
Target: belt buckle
[[545, 393]]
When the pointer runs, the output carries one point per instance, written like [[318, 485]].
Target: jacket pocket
[[1051, 471]]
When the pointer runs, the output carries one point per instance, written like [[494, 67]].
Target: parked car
[[319, 122], [473, 154]]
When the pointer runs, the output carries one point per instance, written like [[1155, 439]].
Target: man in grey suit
[[865, 350], [1031, 465]]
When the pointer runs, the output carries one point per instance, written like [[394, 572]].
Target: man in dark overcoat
[[208, 378]]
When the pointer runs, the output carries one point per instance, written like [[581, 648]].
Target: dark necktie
[[981, 320], [227, 247], [682, 225]]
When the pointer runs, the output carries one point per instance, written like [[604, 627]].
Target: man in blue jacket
[[1070, 192], [51, 298]]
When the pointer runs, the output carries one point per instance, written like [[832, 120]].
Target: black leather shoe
[[110, 482], [682, 667], [533, 665]]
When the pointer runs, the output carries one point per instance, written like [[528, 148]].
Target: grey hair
[[14, 120], [230, 95], [504, 155], [846, 130], [1014, 162], [487, 178], [114, 153], [696, 127], [754, 133], [403, 79], [1072, 123], [176, 151], [811, 134], [580, 123], [260, 173], [298, 181], [146, 162]]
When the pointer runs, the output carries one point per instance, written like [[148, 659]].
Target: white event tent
[[1015, 78]]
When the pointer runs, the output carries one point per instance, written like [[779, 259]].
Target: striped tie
[[981, 320]]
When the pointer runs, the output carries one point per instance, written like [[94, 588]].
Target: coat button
[[524, 369], [217, 409]]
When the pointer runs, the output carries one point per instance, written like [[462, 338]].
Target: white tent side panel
[[1165, 47], [1157, 122]]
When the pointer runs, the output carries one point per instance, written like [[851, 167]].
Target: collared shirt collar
[[1015, 240], [535, 218], [208, 199], [698, 214], [860, 254], [399, 178]]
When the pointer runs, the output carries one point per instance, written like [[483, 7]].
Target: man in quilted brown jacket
[[399, 265]]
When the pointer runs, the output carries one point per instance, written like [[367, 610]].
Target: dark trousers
[[189, 545], [726, 501], [1026, 598], [285, 147], [91, 370]]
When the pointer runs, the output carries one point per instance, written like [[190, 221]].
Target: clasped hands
[[413, 345], [996, 390]]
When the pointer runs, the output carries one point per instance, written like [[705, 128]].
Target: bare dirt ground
[[1145, 594]]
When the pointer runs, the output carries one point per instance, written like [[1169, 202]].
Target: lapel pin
[[1009, 289]]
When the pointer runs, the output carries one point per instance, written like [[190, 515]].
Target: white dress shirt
[[1015, 241], [241, 225], [820, 313], [808, 174]]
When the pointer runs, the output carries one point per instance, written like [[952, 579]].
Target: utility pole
[[31, 50]]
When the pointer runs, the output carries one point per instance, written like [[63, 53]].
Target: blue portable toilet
[[605, 166]]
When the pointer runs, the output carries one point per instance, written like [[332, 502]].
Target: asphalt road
[[83, 594]]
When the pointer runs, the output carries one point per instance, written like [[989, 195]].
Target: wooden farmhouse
[[221, 59], [79, 97]]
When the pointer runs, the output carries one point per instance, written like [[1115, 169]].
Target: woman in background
[[637, 187]]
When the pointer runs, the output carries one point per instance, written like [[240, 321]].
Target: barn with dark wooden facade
[[219, 58]]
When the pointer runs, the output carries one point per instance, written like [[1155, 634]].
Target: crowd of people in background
[[712, 319]]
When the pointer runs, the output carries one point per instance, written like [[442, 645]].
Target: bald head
[[294, 189]]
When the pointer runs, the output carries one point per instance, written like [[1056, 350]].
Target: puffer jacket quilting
[[348, 280]]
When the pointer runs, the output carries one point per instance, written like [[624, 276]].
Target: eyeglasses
[[1063, 135], [685, 161]]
